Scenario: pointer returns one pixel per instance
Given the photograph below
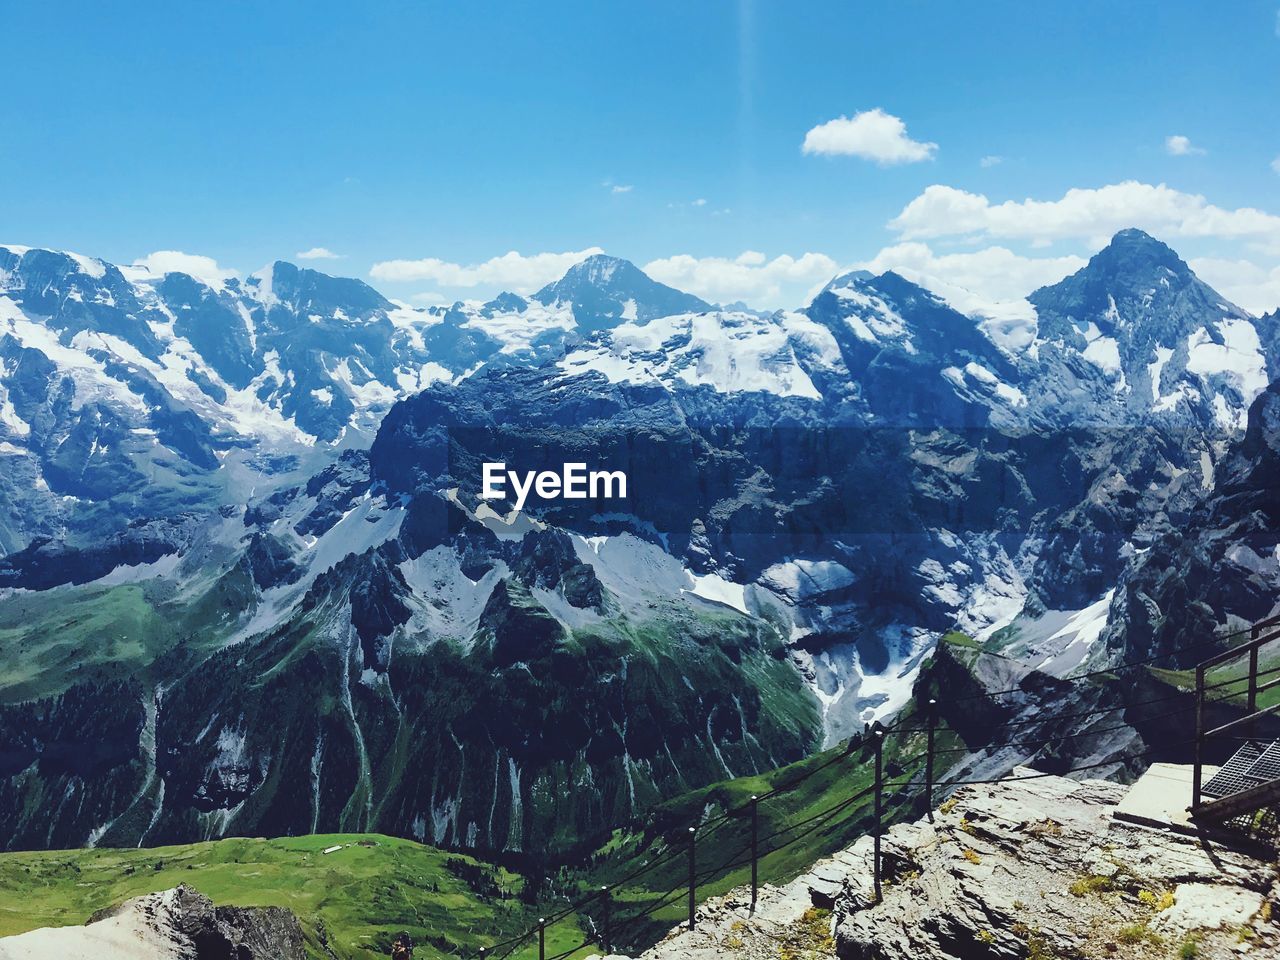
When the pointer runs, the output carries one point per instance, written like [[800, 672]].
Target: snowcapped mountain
[[603, 291], [275, 481], [114, 380], [1162, 337], [730, 352]]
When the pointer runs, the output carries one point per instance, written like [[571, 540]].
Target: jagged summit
[[303, 289], [1162, 335], [1134, 280], [1135, 242], [605, 291]]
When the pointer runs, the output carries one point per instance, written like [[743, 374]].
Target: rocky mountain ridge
[[816, 497], [178, 924]]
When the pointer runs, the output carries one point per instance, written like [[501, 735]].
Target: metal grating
[[1254, 764], [1267, 766]]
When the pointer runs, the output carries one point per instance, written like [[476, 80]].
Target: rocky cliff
[[1031, 867], [177, 924]]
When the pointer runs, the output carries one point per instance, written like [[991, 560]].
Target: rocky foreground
[[1035, 869], [178, 924]]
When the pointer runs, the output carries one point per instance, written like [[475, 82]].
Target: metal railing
[[923, 783], [1260, 634]]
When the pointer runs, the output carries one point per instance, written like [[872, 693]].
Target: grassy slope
[[1230, 679], [361, 896], [358, 897], [52, 639], [49, 639]]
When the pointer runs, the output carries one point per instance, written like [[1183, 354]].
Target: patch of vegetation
[[814, 932], [958, 639], [1037, 945], [356, 897], [1159, 902], [1137, 933], [1094, 883], [52, 638]]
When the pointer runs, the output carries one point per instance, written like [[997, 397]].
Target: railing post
[[693, 872], [484, 951], [879, 741], [928, 760], [606, 940], [755, 850], [542, 938], [1253, 672], [1198, 770]]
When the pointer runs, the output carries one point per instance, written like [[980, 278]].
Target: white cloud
[[622, 188], [512, 271], [872, 135], [1275, 164], [175, 261], [993, 274], [1243, 282], [751, 276], [1089, 214], [700, 202], [991, 283], [991, 160], [1180, 146], [431, 298], [318, 253]]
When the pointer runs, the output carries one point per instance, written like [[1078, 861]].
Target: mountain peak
[[605, 291], [1133, 250], [599, 270], [1135, 281], [305, 289]]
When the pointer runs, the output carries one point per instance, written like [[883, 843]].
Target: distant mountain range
[[249, 586]]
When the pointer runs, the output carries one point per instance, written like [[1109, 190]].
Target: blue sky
[[430, 138]]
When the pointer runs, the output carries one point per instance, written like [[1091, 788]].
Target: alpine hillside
[[249, 585]]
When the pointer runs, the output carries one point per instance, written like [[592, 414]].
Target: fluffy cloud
[[622, 188], [1243, 282], [1089, 214], [318, 253], [751, 276], [1180, 146], [991, 160], [872, 135], [992, 283], [512, 271], [1275, 164], [969, 279], [175, 261]]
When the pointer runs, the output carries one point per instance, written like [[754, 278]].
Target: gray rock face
[[178, 924], [1040, 868], [1025, 868], [1218, 570]]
